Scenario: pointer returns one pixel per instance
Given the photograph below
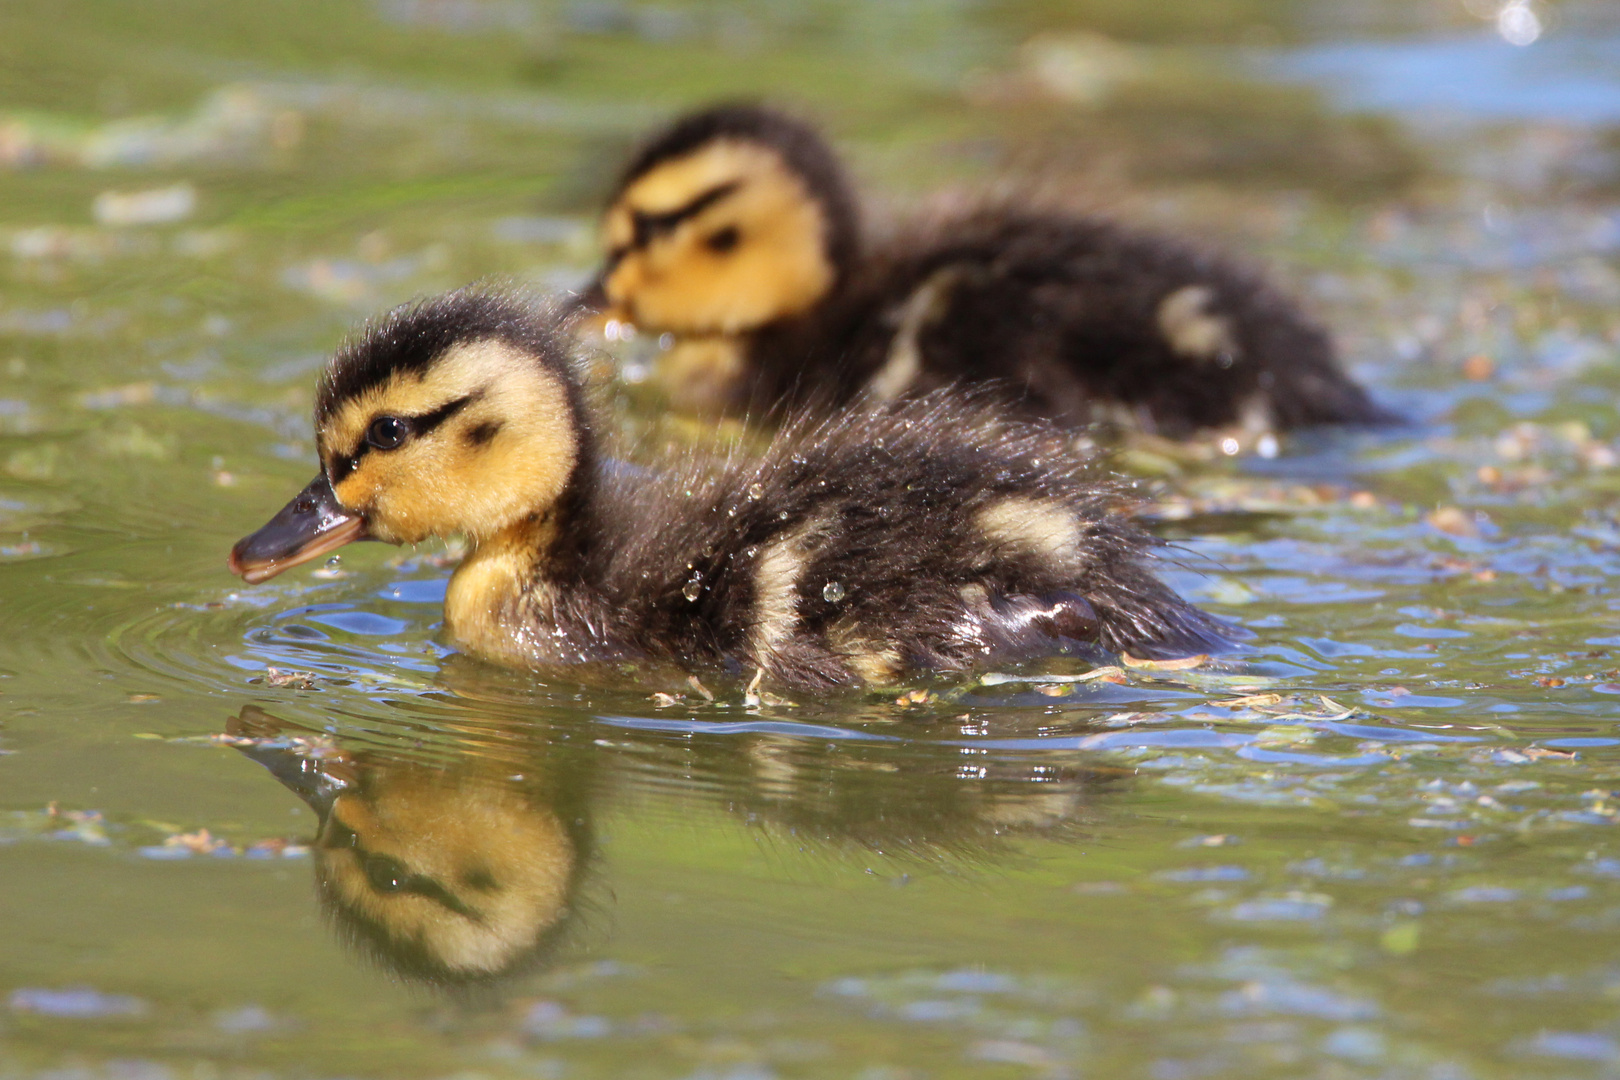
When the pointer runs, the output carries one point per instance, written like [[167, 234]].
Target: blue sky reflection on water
[[1570, 79]]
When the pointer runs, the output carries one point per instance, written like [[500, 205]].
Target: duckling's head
[[732, 218], [459, 414]]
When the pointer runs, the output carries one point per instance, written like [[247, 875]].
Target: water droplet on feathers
[[693, 588], [832, 592]]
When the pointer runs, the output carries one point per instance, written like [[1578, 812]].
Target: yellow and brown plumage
[[929, 535], [736, 231]]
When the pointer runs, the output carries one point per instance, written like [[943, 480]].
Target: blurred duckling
[[736, 232], [450, 873], [929, 536]]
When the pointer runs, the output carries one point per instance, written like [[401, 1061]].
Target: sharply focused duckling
[[931, 535], [453, 873], [736, 232]]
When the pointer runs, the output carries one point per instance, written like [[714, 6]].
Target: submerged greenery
[[1378, 843]]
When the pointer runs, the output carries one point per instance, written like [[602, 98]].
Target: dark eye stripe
[[421, 424], [648, 225]]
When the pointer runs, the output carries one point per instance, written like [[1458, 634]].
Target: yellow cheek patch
[[618, 228], [777, 267]]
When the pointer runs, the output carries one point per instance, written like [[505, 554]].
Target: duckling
[[451, 873], [736, 232], [930, 535]]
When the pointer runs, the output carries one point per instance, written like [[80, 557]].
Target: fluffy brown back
[[902, 530]]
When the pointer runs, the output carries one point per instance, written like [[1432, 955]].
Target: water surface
[[1378, 843]]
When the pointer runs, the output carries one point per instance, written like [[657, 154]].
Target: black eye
[[385, 874], [724, 240], [387, 432]]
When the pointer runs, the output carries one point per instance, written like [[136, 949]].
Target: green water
[[1379, 843]]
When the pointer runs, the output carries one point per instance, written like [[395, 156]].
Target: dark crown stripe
[[410, 340]]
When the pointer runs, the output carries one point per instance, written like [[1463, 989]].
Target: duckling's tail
[[1140, 616], [1337, 400]]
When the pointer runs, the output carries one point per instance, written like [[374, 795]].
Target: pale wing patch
[[924, 307], [877, 667], [1046, 529], [776, 598], [776, 589], [1193, 330]]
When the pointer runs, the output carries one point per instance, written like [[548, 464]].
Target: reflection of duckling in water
[[929, 536], [466, 865], [451, 874], [911, 795], [736, 231], [911, 802]]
